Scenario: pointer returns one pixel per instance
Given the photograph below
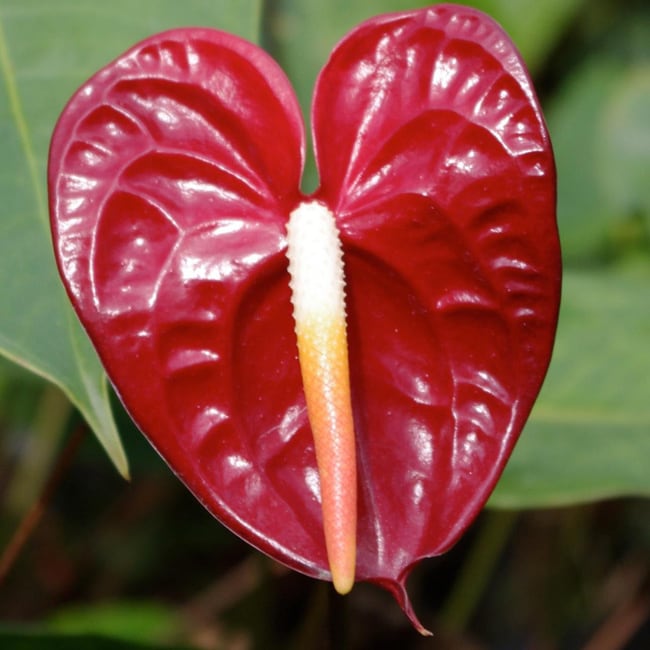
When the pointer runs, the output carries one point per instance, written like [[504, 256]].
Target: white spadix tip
[[315, 261]]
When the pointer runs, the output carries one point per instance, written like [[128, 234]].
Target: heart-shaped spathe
[[172, 175]]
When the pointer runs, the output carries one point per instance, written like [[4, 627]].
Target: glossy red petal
[[434, 155]]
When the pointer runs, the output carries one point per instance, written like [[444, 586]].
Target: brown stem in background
[[623, 623], [225, 592], [33, 516]]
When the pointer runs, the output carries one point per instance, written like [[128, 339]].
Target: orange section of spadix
[[323, 354]]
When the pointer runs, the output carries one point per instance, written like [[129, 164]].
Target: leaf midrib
[[15, 105]]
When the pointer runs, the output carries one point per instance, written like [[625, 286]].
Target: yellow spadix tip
[[343, 578]]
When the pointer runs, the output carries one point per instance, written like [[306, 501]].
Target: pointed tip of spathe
[[424, 632]]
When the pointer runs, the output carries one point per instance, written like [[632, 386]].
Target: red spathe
[[172, 175]]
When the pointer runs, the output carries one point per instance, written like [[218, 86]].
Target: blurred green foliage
[[588, 438]]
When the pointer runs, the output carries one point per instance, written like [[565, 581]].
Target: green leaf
[[599, 126], [27, 639], [600, 132], [136, 621], [624, 149], [46, 51], [588, 437]]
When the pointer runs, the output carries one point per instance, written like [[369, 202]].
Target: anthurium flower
[[339, 378]]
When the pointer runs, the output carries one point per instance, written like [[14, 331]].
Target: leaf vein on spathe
[[15, 105]]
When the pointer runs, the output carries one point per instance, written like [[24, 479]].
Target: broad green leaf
[[598, 121], [589, 434], [135, 621], [28, 639], [603, 168], [47, 49], [624, 149]]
